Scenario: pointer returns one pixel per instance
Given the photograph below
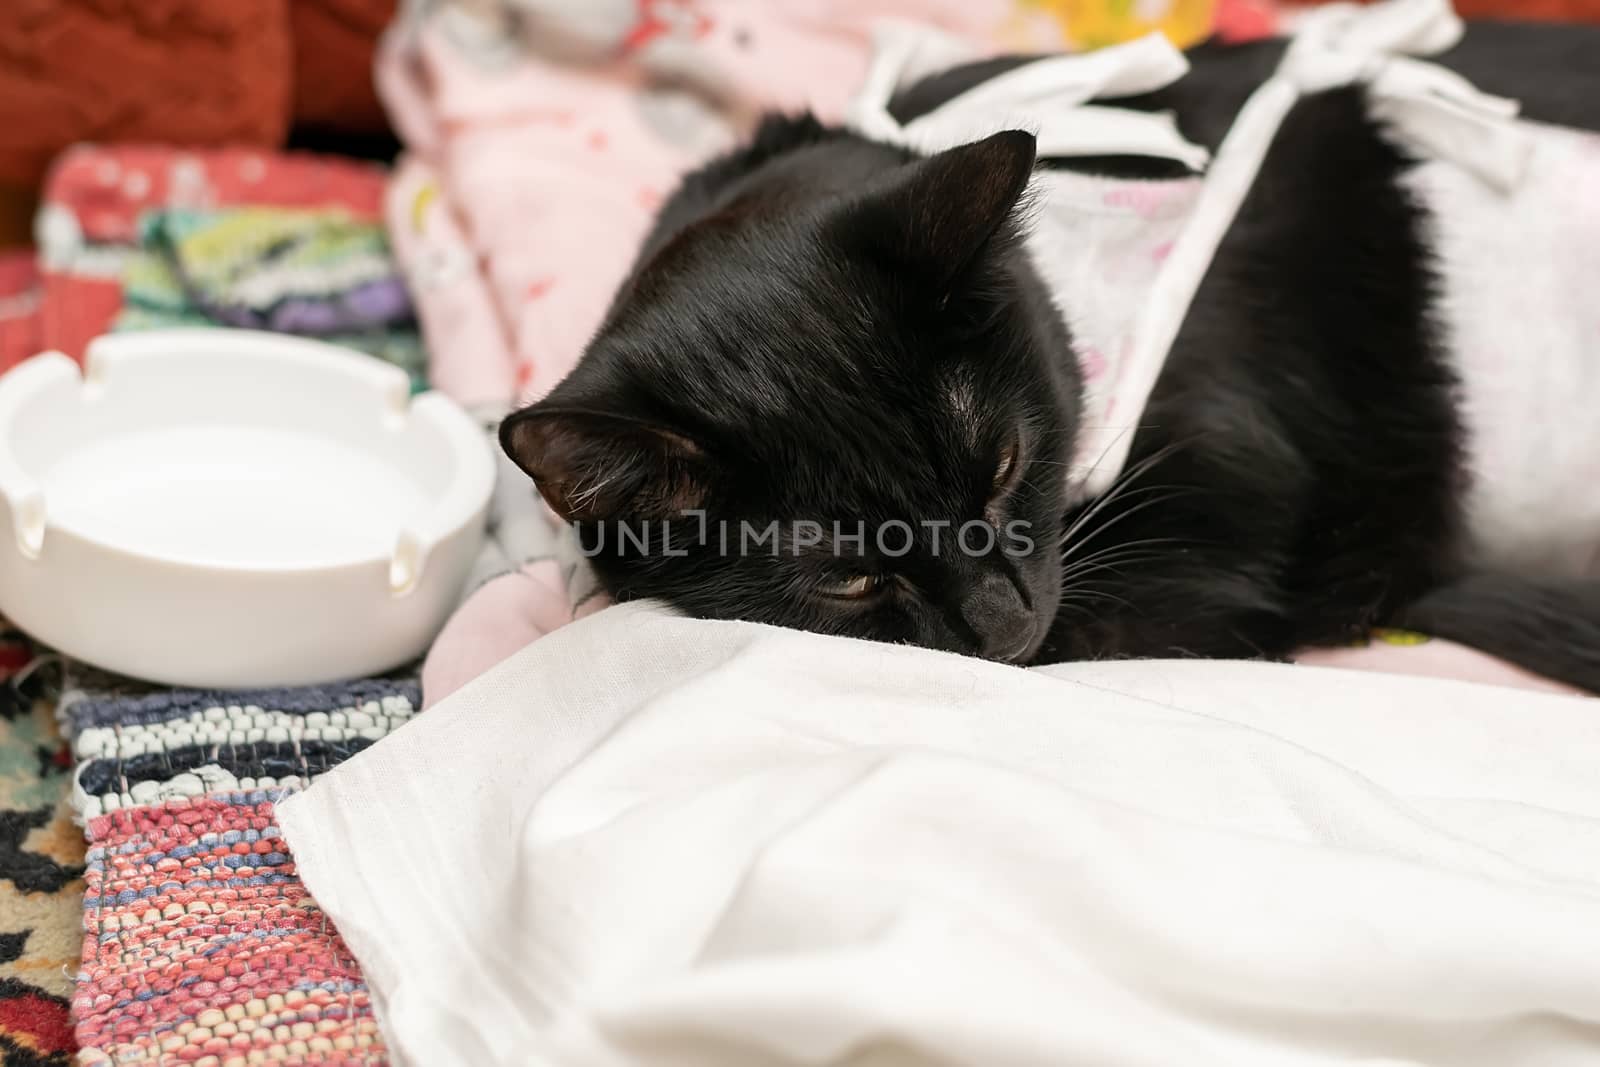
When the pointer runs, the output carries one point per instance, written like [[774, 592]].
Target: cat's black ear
[[933, 216], [591, 467]]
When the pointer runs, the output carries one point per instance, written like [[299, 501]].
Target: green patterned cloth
[[322, 274]]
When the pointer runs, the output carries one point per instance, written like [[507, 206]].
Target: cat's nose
[[995, 611]]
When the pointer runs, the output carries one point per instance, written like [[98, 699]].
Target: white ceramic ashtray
[[223, 508]]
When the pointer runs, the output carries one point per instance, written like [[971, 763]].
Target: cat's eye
[[1007, 468], [854, 587]]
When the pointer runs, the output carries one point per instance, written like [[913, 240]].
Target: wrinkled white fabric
[[648, 840]]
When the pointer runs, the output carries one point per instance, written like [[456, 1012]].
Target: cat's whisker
[[1106, 561], [1104, 452], [1094, 596], [1114, 566], [1116, 519], [1119, 489], [1127, 497], [1079, 600], [1058, 463], [1143, 465], [1098, 579], [1077, 541], [1121, 485], [1109, 550]]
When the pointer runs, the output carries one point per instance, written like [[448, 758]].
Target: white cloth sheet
[[658, 841]]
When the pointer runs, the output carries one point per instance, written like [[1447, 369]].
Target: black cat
[[843, 339]]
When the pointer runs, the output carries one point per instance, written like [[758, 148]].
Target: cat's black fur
[[820, 327]]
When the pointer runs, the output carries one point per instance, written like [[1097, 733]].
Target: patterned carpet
[[41, 867], [200, 942]]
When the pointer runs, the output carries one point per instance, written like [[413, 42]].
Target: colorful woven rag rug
[[316, 273], [41, 867], [134, 237], [199, 942]]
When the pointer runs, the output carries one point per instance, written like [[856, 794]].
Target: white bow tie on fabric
[[1436, 111], [1048, 98]]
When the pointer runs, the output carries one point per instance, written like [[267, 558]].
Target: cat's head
[[835, 400]]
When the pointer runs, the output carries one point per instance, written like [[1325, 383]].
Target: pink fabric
[[503, 616], [470, 357], [548, 174], [1393, 652]]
